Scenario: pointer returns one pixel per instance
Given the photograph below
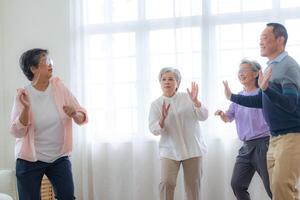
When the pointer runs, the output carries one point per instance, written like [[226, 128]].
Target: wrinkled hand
[[194, 94], [263, 78], [165, 110], [219, 113], [164, 113], [222, 115], [24, 100], [69, 110], [227, 90]]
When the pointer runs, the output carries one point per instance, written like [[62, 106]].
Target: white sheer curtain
[[118, 48]]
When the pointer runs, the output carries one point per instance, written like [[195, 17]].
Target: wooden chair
[[46, 189]]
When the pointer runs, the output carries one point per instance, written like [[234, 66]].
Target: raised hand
[[24, 114], [69, 110], [263, 78], [194, 94], [164, 113], [227, 90], [24, 100], [222, 115], [219, 113], [165, 110]]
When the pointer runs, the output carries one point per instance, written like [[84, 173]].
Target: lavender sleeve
[[230, 113]]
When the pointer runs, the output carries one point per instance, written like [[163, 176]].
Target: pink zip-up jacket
[[24, 148]]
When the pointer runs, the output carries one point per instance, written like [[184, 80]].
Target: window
[[111, 79], [176, 47], [234, 42], [289, 3], [108, 11], [234, 6], [157, 9], [128, 41], [293, 44]]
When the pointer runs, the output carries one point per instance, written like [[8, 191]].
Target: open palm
[[193, 93], [263, 79], [165, 109], [24, 100], [227, 90]]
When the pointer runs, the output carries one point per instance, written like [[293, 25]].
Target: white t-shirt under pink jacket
[[25, 135]]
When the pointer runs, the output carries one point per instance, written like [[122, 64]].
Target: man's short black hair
[[279, 30]]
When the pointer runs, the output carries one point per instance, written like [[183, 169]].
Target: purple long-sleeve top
[[250, 122]]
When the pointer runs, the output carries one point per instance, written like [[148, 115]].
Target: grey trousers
[[251, 159]]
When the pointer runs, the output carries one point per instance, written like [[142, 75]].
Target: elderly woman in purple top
[[252, 130]]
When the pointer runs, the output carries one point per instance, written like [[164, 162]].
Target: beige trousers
[[192, 169], [283, 159]]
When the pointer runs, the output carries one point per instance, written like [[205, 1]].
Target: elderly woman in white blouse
[[175, 117]]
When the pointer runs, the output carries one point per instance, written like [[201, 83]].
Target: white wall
[[24, 25], [1, 87]]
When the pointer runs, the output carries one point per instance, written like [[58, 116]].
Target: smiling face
[[168, 84], [44, 68], [270, 46], [247, 75]]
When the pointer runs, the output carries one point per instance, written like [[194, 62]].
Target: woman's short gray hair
[[173, 70], [253, 63], [255, 66]]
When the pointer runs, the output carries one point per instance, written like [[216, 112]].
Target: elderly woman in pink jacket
[[42, 117]]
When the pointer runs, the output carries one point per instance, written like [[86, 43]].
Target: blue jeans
[[30, 174]]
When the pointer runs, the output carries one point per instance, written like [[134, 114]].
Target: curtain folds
[[108, 165]]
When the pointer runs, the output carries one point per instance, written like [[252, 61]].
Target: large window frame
[[208, 22]]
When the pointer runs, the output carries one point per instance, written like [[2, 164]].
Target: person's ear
[[281, 40], [33, 69]]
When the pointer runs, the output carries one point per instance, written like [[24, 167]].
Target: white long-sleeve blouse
[[181, 136]]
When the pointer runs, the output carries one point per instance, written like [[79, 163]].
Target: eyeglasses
[[48, 61], [242, 71]]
